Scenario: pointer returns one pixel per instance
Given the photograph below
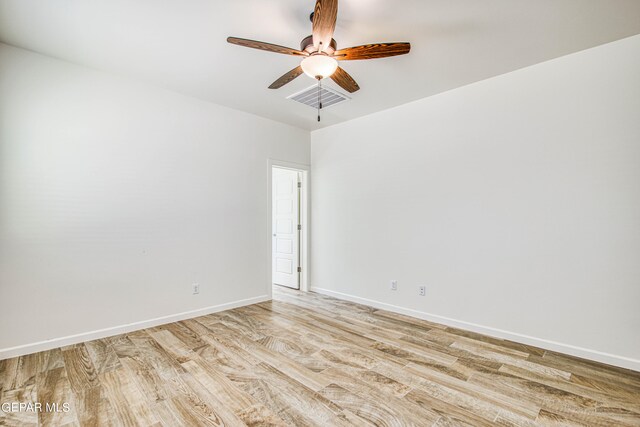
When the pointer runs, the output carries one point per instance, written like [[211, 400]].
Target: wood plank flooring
[[310, 360]]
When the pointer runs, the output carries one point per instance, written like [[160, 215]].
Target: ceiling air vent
[[309, 97]]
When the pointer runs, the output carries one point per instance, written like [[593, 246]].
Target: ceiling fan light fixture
[[319, 66]]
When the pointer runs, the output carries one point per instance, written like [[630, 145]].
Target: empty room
[[320, 213]]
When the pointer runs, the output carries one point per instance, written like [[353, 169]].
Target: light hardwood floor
[[307, 359]]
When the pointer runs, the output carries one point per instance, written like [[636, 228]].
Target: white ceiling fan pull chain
[[319, 97]]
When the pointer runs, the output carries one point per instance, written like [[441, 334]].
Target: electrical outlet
[[422, 290], [394, 285], [195, 288]]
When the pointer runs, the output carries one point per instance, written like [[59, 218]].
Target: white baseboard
[[20, 350], [598, 356]]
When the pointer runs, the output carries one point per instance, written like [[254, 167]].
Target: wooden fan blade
[[266, 46], [324, 23], [344, 80], [372, 51], [286, 78]]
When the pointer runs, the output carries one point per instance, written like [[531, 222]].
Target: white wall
[[115, 197], [515, 200]]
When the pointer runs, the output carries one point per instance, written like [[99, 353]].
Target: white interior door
[[286, 233]]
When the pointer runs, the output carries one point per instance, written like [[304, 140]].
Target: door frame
[[305, 211]]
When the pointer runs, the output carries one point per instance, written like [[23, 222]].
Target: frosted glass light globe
[[319, 65]]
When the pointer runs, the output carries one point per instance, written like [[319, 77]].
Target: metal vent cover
[[309, 96]]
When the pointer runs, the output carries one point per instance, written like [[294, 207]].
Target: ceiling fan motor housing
[[306, 45]]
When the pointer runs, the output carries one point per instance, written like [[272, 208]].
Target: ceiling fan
[[320, 54]]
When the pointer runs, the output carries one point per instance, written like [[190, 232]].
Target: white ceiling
[[181, 45]]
